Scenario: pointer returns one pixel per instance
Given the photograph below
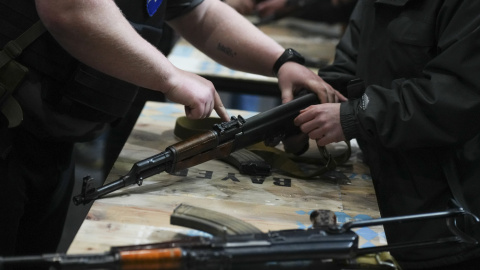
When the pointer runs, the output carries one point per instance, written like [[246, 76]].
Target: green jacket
[[418, 120]]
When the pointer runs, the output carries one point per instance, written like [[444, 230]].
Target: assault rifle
[[223, 139], [324, 246]]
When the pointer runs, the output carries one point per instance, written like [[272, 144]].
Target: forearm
[[96, 33], [228, 38]]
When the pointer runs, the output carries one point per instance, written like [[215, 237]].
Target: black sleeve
[[442, 107], [343, 69], [176, 8]]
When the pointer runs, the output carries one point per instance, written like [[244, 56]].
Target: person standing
[[83, 75], [417, 121]]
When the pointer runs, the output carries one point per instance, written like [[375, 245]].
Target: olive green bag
[[12, 74]]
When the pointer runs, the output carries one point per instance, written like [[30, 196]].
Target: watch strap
[[289, 55]]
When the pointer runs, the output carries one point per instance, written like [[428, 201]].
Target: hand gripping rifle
[[324, 246], [223, 139]]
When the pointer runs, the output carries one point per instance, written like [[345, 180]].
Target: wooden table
[[140, 214]]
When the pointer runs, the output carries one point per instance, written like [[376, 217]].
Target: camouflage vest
[[100, 96]]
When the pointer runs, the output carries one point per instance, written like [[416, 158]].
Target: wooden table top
[[141, 214], [315, 41]]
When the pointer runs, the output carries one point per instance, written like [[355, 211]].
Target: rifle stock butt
[[163, 259]]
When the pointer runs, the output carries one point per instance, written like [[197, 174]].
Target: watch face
[[295, 56], [293, 52], [290, 55]]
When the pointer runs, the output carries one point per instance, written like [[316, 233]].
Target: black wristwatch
[[289, 55]]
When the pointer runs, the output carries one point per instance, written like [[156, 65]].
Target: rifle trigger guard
[[274, 141]]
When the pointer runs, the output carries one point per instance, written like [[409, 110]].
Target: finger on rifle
[[220, 108]]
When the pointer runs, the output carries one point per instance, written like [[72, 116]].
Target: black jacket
[[418, 120]]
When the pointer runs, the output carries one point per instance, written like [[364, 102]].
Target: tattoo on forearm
[[228, 51]]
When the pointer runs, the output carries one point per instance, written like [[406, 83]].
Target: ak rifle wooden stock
[[223, 139]]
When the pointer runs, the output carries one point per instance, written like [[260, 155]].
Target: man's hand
[[322, 123], [293, 77], [197, 94]]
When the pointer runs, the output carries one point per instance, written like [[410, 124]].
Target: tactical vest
[[69, 85]]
